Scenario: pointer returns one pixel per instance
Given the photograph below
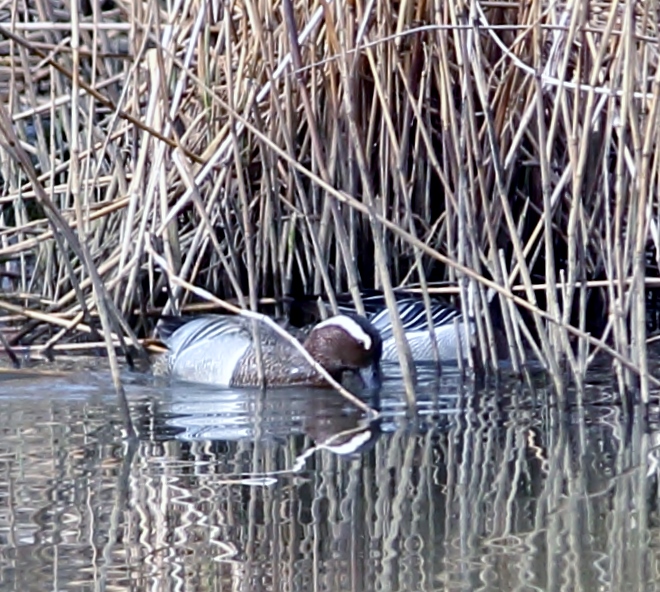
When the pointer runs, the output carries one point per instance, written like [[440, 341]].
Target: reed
[[273, 150]]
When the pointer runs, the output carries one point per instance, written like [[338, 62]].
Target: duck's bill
[[372, 377]]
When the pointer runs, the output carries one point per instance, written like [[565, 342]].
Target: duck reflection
[[197, 413], [341, 429]]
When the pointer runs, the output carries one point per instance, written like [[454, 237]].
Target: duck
[[220, 350], [453, 333]]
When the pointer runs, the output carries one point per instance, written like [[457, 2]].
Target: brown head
[[347, 342]]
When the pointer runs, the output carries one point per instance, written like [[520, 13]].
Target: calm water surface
[[489, 488]]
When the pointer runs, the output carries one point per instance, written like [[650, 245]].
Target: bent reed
[[275, 150]]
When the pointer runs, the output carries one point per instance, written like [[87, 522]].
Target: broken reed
[[281, 149]]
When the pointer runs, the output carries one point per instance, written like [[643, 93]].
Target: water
[[489, 488]]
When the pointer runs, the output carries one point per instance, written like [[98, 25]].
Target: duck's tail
[[168, 324], [154, 346]]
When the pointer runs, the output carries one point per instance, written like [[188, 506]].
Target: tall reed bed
[[264, 149]]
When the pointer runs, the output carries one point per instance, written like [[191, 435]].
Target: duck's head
[[347, 342]]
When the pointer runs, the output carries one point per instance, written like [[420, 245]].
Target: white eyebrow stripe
[[350, 326]]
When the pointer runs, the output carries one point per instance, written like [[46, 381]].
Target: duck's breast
[[282, 365]]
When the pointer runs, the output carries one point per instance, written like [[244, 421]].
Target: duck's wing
[[413, 317], [372, 300], [180, 332]]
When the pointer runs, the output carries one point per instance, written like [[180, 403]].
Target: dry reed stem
[[11, 146], [439, 147]]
